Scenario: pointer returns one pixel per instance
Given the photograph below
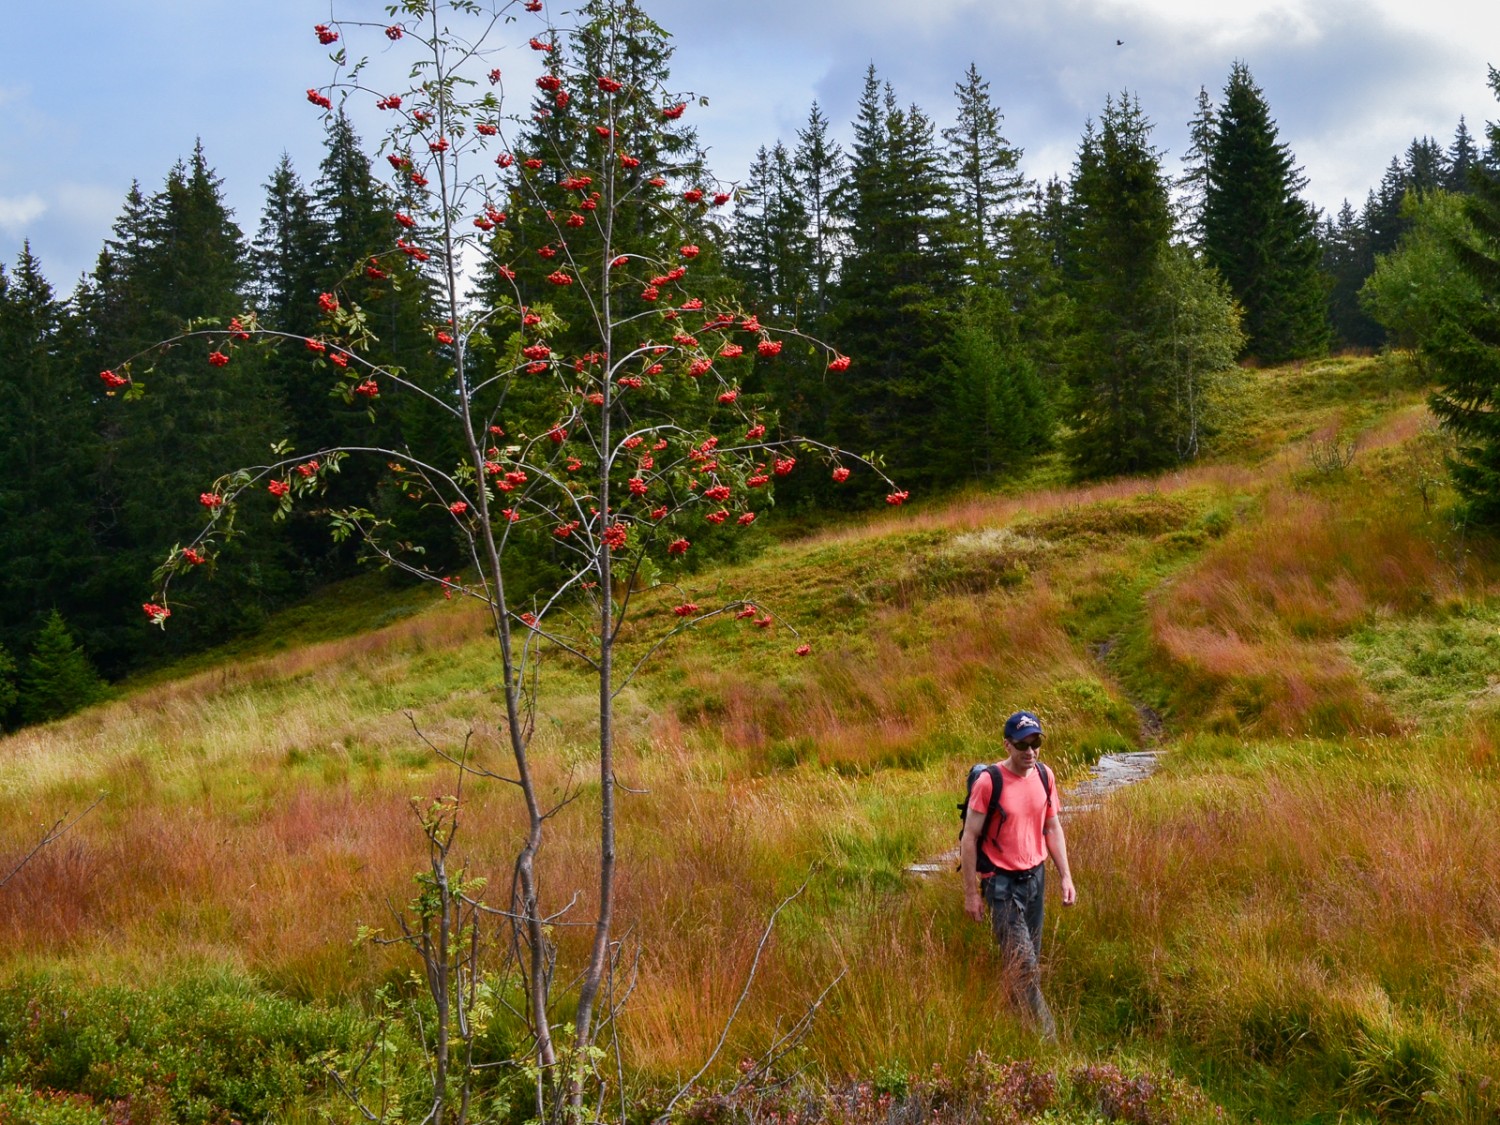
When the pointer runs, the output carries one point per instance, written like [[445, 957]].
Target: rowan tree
[[592, 395]]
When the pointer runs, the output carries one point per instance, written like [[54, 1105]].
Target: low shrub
[[980, 1092], [208, 1050], [22, 1106], [1140, 1098]]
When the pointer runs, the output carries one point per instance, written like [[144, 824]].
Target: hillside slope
[[1301, 911]]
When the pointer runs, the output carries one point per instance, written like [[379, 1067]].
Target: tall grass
[[1336, 904], [1303, 913], [1252, 635]]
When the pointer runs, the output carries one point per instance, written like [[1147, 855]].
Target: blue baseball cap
[[1021, 725]]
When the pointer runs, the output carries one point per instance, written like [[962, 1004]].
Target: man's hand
[[1069, 893], [974, 906]]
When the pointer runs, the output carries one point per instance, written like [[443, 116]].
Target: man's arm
[[968, 858], [1057, 848]]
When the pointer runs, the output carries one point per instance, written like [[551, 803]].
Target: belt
[[1021, 876]]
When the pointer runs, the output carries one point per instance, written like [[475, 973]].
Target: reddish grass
[[975, 512], [269, 859], [1250, 632], [864, 709], [1383, 872]]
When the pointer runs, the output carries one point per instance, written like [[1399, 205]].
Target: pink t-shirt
[[1016, 843]]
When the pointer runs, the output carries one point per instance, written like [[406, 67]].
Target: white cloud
[[16, 214]]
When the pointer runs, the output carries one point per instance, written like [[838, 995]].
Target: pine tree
[[1257, 231], [1465, 347], [58, 678]]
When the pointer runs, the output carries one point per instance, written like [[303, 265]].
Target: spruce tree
[[771, 249], [1426, 166], [1055, 222], [550, 221], [997, 415], [896, 297], [58, 678], [1258, 232], [8, 693], [1139, 317], [1192, 185], [1383, 217], [48, 556], [1462, 155], [820, 164], [1465, 347], [177, 259], [289, 254], [984, 178], [360, 264], [998, 412], [1348, 262]]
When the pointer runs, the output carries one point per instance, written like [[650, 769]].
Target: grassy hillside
[[1300, 914]]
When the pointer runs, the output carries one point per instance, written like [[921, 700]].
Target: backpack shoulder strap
[[1046, 780], [993, 770], [982, 861], [989, 814]]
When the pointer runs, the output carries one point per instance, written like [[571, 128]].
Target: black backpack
[[981, 861]]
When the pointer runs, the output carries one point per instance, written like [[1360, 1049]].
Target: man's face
[[1024, 751]]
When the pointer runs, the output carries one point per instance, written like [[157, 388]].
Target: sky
[[97, 93]]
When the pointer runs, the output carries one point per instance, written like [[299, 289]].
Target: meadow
[[1297, 918]]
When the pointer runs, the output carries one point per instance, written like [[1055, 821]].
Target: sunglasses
[[1030, 742]]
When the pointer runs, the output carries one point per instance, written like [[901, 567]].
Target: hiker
[[1002, 861]]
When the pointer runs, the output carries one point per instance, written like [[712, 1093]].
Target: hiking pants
[[1016, 899]]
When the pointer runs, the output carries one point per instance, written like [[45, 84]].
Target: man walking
[[1002, 857]]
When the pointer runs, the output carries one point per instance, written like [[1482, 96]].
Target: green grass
[[1296, 916], [1436, 667]]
